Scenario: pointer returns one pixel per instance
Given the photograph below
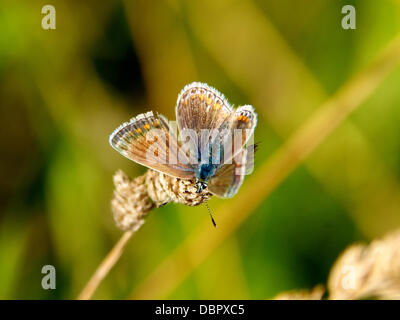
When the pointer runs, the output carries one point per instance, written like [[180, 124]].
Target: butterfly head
[[200, 185]]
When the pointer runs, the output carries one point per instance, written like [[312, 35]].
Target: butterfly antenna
[[209, 212]]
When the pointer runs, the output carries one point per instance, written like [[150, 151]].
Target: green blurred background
[[63, 91]]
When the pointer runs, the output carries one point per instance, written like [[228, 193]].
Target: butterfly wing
[[241, 127], [229, 177], [251, 151], [147, 140], [199, 107], [244, 122]]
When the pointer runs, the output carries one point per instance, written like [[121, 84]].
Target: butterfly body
[[212, 147], [205, 172]]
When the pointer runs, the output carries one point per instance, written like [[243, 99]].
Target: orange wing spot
[[138, 130], [202, 97], [217, 106], [185, 102], [247, 120], [209, 101], [193, 96], [146, 126], [240, 118], [156, 123]]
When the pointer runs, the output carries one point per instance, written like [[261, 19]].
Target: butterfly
[[211, 148]]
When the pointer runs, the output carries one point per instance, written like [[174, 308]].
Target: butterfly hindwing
[[241, 127], [244, 120], [229, 177], [147, 140]]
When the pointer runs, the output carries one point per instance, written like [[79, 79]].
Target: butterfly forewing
[[199, 110], [201, 107], [147, 140]]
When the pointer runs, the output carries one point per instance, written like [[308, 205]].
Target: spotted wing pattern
[[147, 140], [199, 107], [241, 127]]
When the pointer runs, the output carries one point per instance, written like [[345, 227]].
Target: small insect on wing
[[147, 140]]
